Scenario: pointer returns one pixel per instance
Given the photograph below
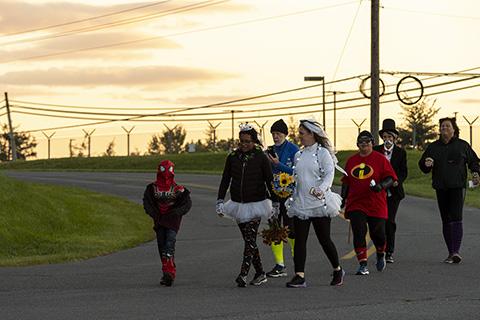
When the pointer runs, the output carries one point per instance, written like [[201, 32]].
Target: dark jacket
[[399, 164], [449, 163], [172, 219], [249, 176]]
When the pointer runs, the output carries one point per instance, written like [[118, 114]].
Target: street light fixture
[[323, 94]]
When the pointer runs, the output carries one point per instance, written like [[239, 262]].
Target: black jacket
[[183, 203], [249, 176], [399, 164], [449, 163]]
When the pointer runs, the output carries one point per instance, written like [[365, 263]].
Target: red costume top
[[361, 171], [166, 191]]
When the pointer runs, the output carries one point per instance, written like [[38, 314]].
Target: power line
[[244, 117], [432, 13], [102, 26], [86, 19], [124, 43]]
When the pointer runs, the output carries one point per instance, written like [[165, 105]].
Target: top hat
[[388, 125]]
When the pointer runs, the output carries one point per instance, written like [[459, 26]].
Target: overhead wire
[[84, 20], [130, 42], [146, 17], [135, 119]]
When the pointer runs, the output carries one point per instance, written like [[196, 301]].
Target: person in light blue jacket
[[281, 156]]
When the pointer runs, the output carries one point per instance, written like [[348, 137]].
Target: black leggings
[[287, 221], [251, 254], [376, 227], [322, 230], [450, 203]]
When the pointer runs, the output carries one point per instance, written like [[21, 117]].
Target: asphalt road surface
[[125, 285]]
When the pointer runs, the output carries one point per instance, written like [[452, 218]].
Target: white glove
[[275, 209], [316, 192], [220, 208]]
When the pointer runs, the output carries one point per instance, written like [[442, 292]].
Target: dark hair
[[453, 121], [324, 142], [252, 133]]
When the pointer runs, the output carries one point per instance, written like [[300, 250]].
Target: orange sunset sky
[[130, 58]]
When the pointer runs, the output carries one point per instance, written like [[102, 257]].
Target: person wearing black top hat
[[398, 159]]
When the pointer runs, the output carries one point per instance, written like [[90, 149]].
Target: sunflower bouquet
[[283, 185], [275, 233]]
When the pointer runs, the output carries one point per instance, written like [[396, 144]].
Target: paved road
[[124, 285]]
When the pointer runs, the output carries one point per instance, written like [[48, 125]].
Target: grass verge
[[50, 224]]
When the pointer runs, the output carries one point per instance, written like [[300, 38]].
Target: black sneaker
[[338, 276], [381, 264], [389, 258], [277, 272], [167, 280], [456, 258], [241, 281], [297, 282], [448, 260], [259, 279]]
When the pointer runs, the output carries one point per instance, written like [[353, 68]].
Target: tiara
[[245, 126]]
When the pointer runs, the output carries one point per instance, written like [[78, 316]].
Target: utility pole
[[323, 95], [359, 126], [13, 144], [89, 136], [128, 138], [70, 148], [470, 124], [335, 115], [262, 131], [214, 130], [48, 139], [375, 69]]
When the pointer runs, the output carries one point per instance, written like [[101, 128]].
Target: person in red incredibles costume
[[166, 202], [365, 199]]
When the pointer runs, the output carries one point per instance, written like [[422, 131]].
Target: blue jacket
[[286, 155]]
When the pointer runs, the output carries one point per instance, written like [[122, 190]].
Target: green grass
[[49, 224]]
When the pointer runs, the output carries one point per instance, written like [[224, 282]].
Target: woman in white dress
[[312, 201]]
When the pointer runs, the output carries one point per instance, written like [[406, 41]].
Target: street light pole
[[323, 94]]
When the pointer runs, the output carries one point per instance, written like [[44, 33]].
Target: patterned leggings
[[251, 254]]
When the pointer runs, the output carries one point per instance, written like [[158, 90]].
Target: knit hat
[[365, 135], [279, 126]]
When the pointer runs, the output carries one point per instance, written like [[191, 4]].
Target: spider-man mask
[[165, 175]]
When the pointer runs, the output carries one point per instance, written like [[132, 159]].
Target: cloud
[[17, 16], [145, 76]]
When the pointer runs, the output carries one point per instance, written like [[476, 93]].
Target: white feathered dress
[[313, 167]]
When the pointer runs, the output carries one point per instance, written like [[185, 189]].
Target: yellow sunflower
[[283, 180]]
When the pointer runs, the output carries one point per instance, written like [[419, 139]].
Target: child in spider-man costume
[[166, 202]]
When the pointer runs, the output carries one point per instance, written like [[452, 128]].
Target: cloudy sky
[[138, 57]]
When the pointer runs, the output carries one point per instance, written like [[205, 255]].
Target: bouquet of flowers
[[275, 233], [283, 184]]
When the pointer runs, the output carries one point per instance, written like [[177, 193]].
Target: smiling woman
[[50, 224]]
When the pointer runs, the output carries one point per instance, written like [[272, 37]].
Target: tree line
[[417, 130]]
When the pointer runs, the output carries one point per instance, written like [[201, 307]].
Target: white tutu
[[244, 212], [328, 207]]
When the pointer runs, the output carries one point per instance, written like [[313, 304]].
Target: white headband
[[245, 127]]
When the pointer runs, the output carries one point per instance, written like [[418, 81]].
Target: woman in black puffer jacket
[[249, 176]]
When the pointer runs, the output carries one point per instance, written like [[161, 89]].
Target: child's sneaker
[[167, 280], [297, 282], [259, 279], [241, 281]]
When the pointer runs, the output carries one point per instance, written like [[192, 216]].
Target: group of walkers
[[372, 188]]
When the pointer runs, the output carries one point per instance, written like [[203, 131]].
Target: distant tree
[[154, 146], [110, 152], [199, 146], [293, 131], [25, 144], [226, 144], [418, 128], [78, 150], [135, 153], [169, 141]]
